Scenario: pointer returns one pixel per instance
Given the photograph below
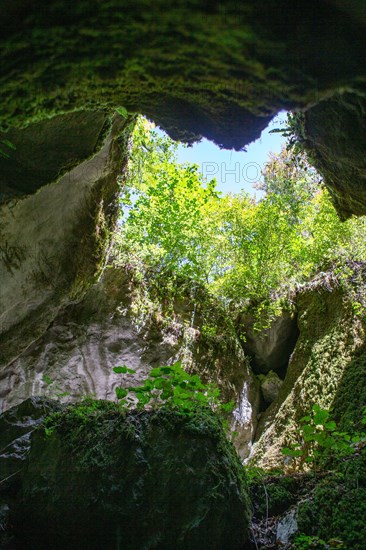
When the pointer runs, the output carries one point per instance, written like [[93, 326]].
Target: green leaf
[[167, 370], [8, 144], [331, 426], [156, 372], [166, 394], [121, 392], [47, 380], [3, 153], [144, 400], [320, 416], [122, 111], [123, 370], [291, 452]]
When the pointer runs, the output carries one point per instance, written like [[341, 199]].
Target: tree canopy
[[174, 225]]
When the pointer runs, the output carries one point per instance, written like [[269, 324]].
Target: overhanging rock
[[54, 241]]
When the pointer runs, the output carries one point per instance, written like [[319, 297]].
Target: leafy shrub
[[175, 226], [321, 441], [171, 386], [305, 542]]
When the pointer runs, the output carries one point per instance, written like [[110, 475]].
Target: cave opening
[[260, 292], [194, 235]]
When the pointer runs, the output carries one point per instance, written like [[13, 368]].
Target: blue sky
[[234, 170]]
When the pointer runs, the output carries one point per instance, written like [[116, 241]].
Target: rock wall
[[334, 135], [56, 223], [217, 69], [75, 356], [326, 368]]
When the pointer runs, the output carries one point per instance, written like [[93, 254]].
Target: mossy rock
[[328, 363], [338, 507], [102, 478], [272, 494]]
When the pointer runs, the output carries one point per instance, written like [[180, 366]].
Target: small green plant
[[53, 390], [321, 440], [305, 542], [6, 146], [82, 412], [122, 111], [172, 386]]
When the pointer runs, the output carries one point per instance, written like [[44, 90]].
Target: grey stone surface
[[53, 243], [271, 348], [270, 385], [75, 356], [16, 427], [287, 526]]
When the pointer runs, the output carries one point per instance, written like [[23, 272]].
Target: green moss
[[84, 428], [324, 368], [337, 509], [160, 478], [350, 398], [214, 66], [273, 495]]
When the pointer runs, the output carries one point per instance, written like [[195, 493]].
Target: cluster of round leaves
[[170, 385]]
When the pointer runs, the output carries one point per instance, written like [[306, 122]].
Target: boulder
[[16, 427], [270, 386], [104, 479]]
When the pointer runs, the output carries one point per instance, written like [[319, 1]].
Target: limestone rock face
[[43, 152], [271, 348], [334, 134], [270, 386], [148, 480], [328, 363], [55, 232], [76, 355]]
